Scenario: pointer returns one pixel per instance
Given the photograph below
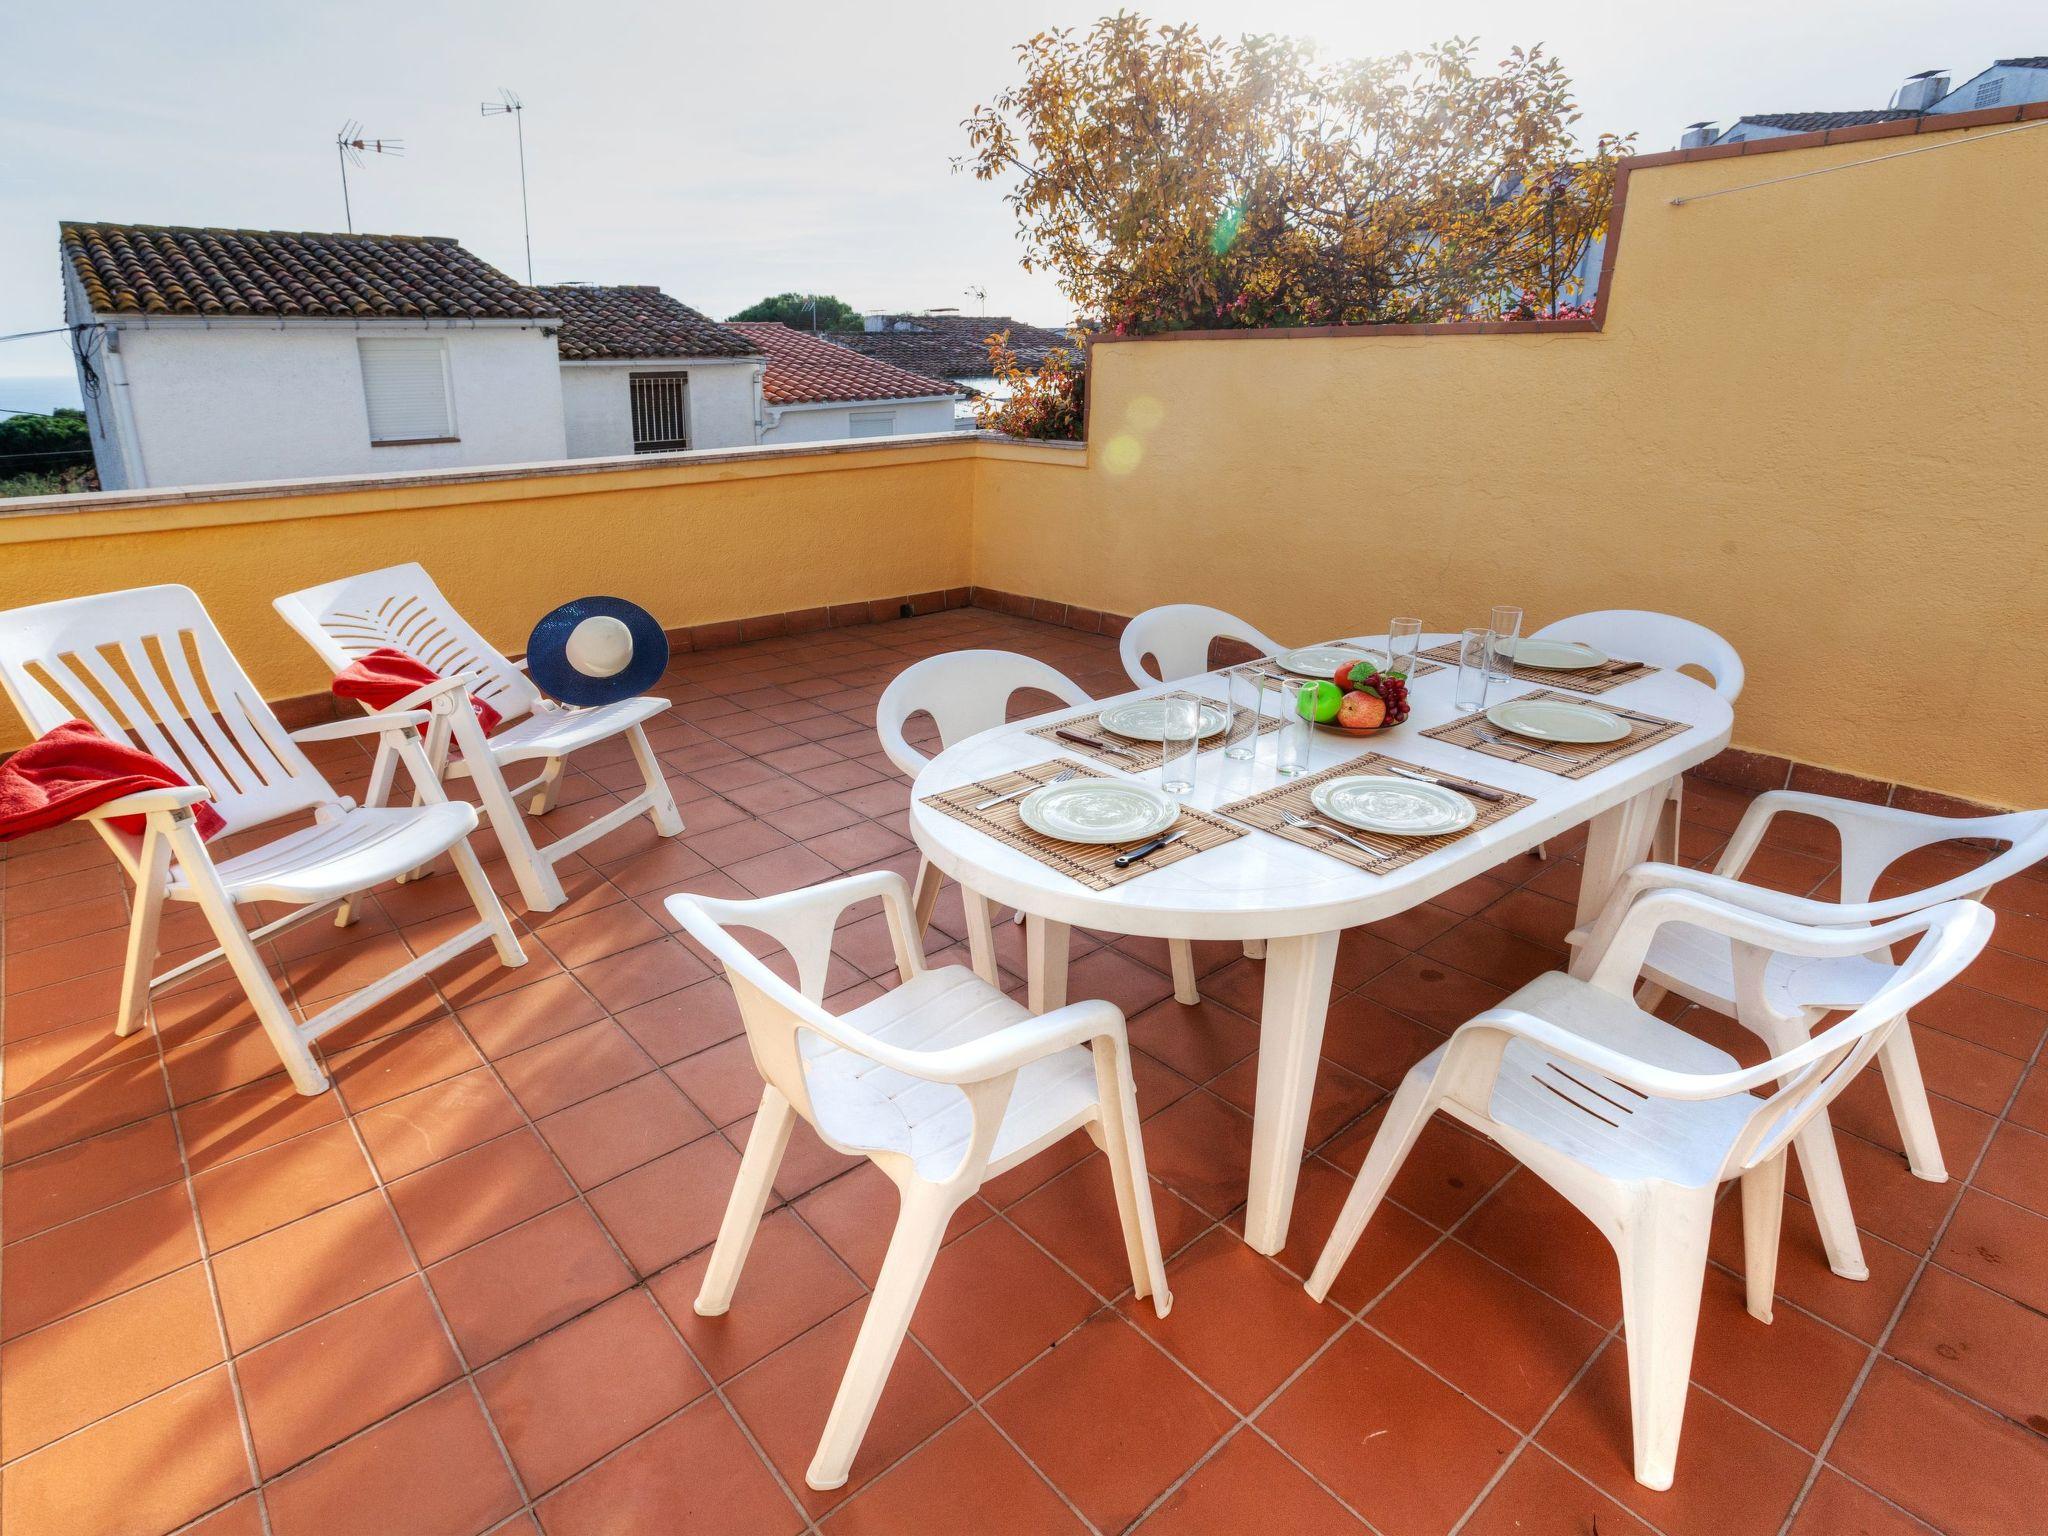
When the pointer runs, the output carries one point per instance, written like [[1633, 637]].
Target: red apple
[[1361, 711]]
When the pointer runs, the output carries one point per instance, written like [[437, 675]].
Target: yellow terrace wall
[[698, 541], [1815, 420]]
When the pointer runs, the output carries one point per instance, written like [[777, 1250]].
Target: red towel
[[382, 677], [74, 768]]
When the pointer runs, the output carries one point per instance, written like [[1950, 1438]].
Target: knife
[[1090, 742], [1476, 791], [1146, 850], [1625, 667]]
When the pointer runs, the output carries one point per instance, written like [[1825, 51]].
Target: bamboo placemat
[[1423, 664], [1594, 680], [1094, 866], [1134, 756], [1570, 762], [1265, 811]]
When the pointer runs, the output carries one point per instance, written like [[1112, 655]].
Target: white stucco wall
[[228, 402], [828, 423], [598, 415]]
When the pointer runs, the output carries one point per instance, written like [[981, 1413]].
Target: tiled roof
[[952, 346], [1815, 122], [636, 321], [2039, 61], [140, 269], [804, 369]]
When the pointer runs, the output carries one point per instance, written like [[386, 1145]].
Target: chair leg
[[1663, 1268], [1124, 1149], [1829, 1192], [153, 871], [1664, 841], [1181, 952], [240, 952], [1255, 949], [488, 907], [668, 821], [539, 886], [981, 935], [766, 1143], [920, 1229], [1406, 1116], [548, 789], [1763, 1214], [1900, 1064], [925, 895]]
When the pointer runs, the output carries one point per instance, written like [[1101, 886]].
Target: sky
[[726, 151]]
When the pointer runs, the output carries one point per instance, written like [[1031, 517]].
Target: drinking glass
[[1297, 733], [1247, 697], [1404, 638], [1506, 625], [1180, 725], [1475, 661]]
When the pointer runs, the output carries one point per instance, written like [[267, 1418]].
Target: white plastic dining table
[[1297, 900]]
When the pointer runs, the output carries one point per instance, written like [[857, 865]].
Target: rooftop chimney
[[1697, 135], [1921, 91]]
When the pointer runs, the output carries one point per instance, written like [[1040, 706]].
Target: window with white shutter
[[871, 423], [405, 386]]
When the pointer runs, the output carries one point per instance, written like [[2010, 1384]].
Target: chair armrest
[[147, 801], [1497, 1026], [1008, 1049], [1872, 838], [802, 921], [1738, 893], [368, 725]]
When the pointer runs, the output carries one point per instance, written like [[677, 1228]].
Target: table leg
[[1045, 958], [981, 936], [1298, 972], [1617, 840]]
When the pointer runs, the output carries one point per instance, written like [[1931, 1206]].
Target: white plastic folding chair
[[1638, 1124], [401, 607], [149, 667], [1177, 636], [1788, 997], [966, 693], [943, 1083], [1663, 640]]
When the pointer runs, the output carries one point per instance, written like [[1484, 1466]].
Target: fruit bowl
[[1358, 700]]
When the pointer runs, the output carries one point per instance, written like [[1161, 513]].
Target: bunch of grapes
[[1392, 688]]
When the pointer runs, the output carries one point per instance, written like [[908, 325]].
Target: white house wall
[[820, 424], [598, 414], [228, 403]]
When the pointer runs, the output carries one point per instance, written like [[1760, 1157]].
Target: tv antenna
[[509, 105], [980, 297], [349, 148]]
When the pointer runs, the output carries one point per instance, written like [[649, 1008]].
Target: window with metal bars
[[661, 412]]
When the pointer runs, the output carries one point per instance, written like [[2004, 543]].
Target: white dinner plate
[[1145, 719], [1555, 720], [1324, 660], [1098, 811], [1381, 803], [1558, 655]]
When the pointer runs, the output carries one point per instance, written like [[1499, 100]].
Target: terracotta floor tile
[[58, 1055], [250, 1196], [1982, 1344], [580, 1392], [451, 1116], [1540, 1496], [244, 1517], [647, 971], [306, 1269], [87, 1176], [1341, 1097], [1201, 1148], [1448, 1171], [1075, 1217], [1998, 1245], [1493, 954], [696, 1472], [1007, 1188], [573, 1067], [316, 1386], [523, 1282], [966, 1478], [152, 1467], [1433, 993], [722, 1081], [1371, 1039], [1734, 1476], [45, 1277], [683, 1022], [1495, 1338], [806, 1162], [1248, 1486], [1239, 1322], [607, 1135], [433, 1467], [855, 1215], [784, 1401], [1794, 1372], [93, 1363], [1863, 1307], [552, 1006], [42, 1120], [1837, 1507], [670, 1207], [993, 1303], [1400, 1446], [1531, 1229], [1106, 1387], [791, 1282], [246, 1120], [395, 1065], [477, 1194], [1391, 1242], [1948, 1461], [2015, 1168]]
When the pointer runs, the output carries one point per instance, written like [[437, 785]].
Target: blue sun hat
[[596, 650]]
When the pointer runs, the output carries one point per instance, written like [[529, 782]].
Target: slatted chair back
[[1662, 639]]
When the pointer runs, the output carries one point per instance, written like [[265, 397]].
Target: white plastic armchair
[[942, 1083], [1177, 636], [401, 607], [149, 667], [1638, 1124], [1789, 997]]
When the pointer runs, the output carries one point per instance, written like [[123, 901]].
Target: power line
[[55, 330]]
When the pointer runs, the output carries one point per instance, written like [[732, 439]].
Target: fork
[[1379, 856], [1502, 741], [1058, 778]]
